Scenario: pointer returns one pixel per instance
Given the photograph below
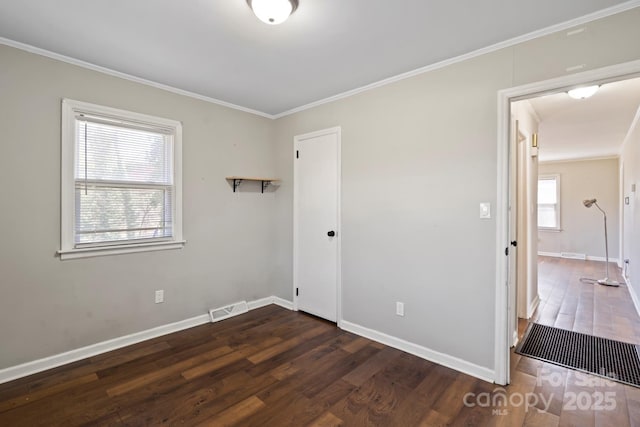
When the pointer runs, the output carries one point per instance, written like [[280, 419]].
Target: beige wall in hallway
[[583, 229]]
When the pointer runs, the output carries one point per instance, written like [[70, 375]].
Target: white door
[[316, 223]]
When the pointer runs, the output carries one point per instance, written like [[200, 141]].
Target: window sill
[[117, 250], [553, 230]]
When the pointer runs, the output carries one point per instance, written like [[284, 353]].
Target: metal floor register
[[615, 360]]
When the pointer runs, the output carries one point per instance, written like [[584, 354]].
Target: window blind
[[547, 192], [123, 182]]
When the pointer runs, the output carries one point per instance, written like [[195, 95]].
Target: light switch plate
[[485, 210]]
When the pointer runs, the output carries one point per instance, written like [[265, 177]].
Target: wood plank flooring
[[274, 367], [567, 303]]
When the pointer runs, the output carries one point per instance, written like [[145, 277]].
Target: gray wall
[[582, 228], [418, 156], [48, 306]]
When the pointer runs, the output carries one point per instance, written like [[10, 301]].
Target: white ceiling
[[586, 128], [218, 49]]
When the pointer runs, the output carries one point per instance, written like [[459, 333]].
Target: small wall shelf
[[236, 180]]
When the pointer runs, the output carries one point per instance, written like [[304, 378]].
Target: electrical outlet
[[400, 308], [159, 296]]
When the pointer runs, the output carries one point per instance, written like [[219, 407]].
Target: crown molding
[[104, 70], [585, 158], [622, 7]]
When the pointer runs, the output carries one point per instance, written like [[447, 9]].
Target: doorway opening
[[529, 168]]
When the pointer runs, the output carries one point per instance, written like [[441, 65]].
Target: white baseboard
[[262, 302], [589, 257], [30, 368], [533, 306], [449, 361], [270, 300], [282, 303], [551, 254], [632, 292], [603, 259]]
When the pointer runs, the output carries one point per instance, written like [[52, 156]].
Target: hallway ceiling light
[[273, 12], [583, 92]]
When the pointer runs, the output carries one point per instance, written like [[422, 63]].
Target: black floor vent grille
[[603, 357]]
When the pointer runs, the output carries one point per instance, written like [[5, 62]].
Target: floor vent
[[573, 255], [615, 360], [218, 314]]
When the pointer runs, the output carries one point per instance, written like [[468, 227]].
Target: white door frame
[[505, 97], [298, 138]]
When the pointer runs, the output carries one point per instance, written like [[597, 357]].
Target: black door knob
[[331, 233], [514, 243]]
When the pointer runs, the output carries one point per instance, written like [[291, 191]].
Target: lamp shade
[[273, 12]]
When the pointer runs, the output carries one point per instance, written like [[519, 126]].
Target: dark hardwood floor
[[273, 367]]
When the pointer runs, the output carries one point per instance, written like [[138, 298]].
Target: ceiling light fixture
[[583, 92], [273, 12]]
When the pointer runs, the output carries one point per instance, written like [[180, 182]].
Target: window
[[121, 186], [549, 202]]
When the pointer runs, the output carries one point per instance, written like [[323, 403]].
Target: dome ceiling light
[[583, 92], [273, 12]]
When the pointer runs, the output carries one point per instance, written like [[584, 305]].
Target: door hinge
[[297, 154], [297, 292]]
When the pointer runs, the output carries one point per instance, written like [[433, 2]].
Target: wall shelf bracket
[[237, 180], [236, 184]]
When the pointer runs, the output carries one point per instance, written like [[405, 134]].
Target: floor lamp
[[606, 281]]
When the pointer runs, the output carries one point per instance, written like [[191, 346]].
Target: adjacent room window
[[549, 202], [121, 187]]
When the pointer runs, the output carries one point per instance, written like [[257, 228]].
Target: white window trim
[[68, 249], [558, 227]]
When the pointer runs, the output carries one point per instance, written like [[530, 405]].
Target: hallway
[[567, 303]]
